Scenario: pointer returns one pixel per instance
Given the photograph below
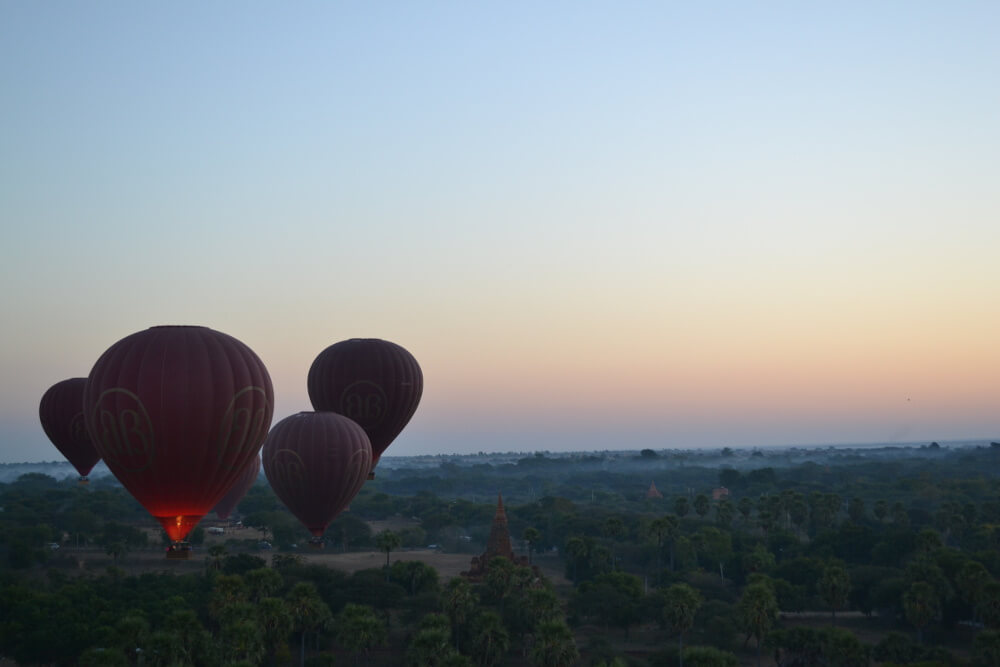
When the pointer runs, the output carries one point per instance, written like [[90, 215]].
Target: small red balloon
[[316, 463], [177, 412], [61, 414]]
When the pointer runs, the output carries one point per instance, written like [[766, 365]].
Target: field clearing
[[448, 565]]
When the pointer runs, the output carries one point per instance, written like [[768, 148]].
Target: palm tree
[[673, 530], [682, 603], [540, 604], [613, 528], [216, 556], [745, 506], [701, 504], [577, 549], [490, 639], [263, 582], [900, 516], [758, 611], [715, 544], [835, 586], [921, 606], [988, 603], [227, 590], [458, 602], [856, 509], [799, 512], [164, 648], [682, 506], [724, 512], [429, 648], [309, 613], [358, 629], [532, 536], [387, 541], [420, 576], [657, 529], [501, 579], [554, 645], [243, 642], [971, 579], [131, 631], [881, 510], [275, 622], [195, 642]]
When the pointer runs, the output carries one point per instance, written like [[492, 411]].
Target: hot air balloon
[[316, 463], [374, 382], [61, 414], [225, 507], [177, 412]]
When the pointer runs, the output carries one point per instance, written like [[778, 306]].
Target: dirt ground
[[447, 565], [153, 559]]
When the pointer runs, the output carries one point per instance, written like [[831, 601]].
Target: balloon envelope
[[374, 382], [61, 414], [225, 507], [316, 463], [177, 413]]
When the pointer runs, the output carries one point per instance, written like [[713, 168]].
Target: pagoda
[[498, 544], [653, 492]]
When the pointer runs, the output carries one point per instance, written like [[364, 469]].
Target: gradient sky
[[595, 224]]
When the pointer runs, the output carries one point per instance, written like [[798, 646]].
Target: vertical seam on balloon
[[209, 344], [143, 344]]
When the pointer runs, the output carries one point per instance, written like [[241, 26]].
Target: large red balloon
[[316, 463], [374, 382], [61, 414], [177, 413], [225, 507]]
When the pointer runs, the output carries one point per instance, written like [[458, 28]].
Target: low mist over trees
[[832, 556]]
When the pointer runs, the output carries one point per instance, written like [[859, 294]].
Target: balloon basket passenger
[[179, 551]]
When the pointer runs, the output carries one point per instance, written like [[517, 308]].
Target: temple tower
[[498, 543]]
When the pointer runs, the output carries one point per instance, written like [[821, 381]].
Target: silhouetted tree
[[681, 606]]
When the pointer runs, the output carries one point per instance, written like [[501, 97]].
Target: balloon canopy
[[316, 463], [374, 382], [177, 412], [247, 477], [61, 414]]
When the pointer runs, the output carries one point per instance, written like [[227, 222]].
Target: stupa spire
[[499, 541]]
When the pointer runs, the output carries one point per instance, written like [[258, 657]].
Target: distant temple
[[653, 492], [498, 544]]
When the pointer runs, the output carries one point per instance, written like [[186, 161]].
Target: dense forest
[[832, 556]]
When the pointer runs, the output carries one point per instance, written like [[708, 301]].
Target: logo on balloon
[[122, 430], [360, 467], [288, 467], [244, 425], [364, 402], [78, 428]]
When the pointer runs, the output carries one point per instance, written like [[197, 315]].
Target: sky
[[596, 225]]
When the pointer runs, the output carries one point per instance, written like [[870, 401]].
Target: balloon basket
[[83, 481], [316, 543], [371, 475], [179, 551]]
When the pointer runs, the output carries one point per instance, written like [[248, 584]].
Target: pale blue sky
[[679, 224]]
